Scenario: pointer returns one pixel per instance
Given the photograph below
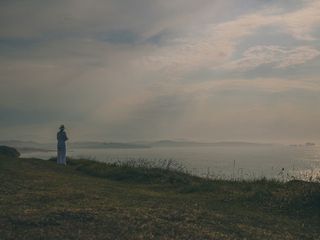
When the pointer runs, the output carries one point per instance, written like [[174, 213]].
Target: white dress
[[62, 150]]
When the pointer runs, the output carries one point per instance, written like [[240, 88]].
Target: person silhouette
[[62, 150]]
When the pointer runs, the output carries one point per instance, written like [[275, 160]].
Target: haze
[[208, 70]]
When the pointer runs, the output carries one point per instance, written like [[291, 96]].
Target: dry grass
[[89, 200]]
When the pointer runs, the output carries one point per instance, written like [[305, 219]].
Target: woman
[[62, 138]]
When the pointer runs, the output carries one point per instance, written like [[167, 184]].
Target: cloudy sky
[[119, 70]]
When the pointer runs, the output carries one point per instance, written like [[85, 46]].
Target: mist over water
[[239, 162]]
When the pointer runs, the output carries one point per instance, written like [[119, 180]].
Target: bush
[[9, 152]]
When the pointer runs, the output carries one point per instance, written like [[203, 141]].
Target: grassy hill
[[90, 200]]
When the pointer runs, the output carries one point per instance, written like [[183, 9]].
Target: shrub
[[9, 152]]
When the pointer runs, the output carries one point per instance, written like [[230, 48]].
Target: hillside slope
[[88, 200]]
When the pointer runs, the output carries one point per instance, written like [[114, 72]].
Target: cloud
[[214, 45], [301, 23], [277, 56], [79, 17], [258, 85], [150, 68]]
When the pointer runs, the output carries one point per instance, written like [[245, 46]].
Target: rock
[[9, 152]]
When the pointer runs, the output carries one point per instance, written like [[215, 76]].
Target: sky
[[125, 70]]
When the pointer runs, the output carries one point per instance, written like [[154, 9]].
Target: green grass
[[90, 200]]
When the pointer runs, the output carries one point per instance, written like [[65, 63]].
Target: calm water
[[220, 162]]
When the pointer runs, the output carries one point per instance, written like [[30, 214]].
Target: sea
[[219, 162]]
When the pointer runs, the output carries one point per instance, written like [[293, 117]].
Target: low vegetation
[[91, 200], [9, 152]]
